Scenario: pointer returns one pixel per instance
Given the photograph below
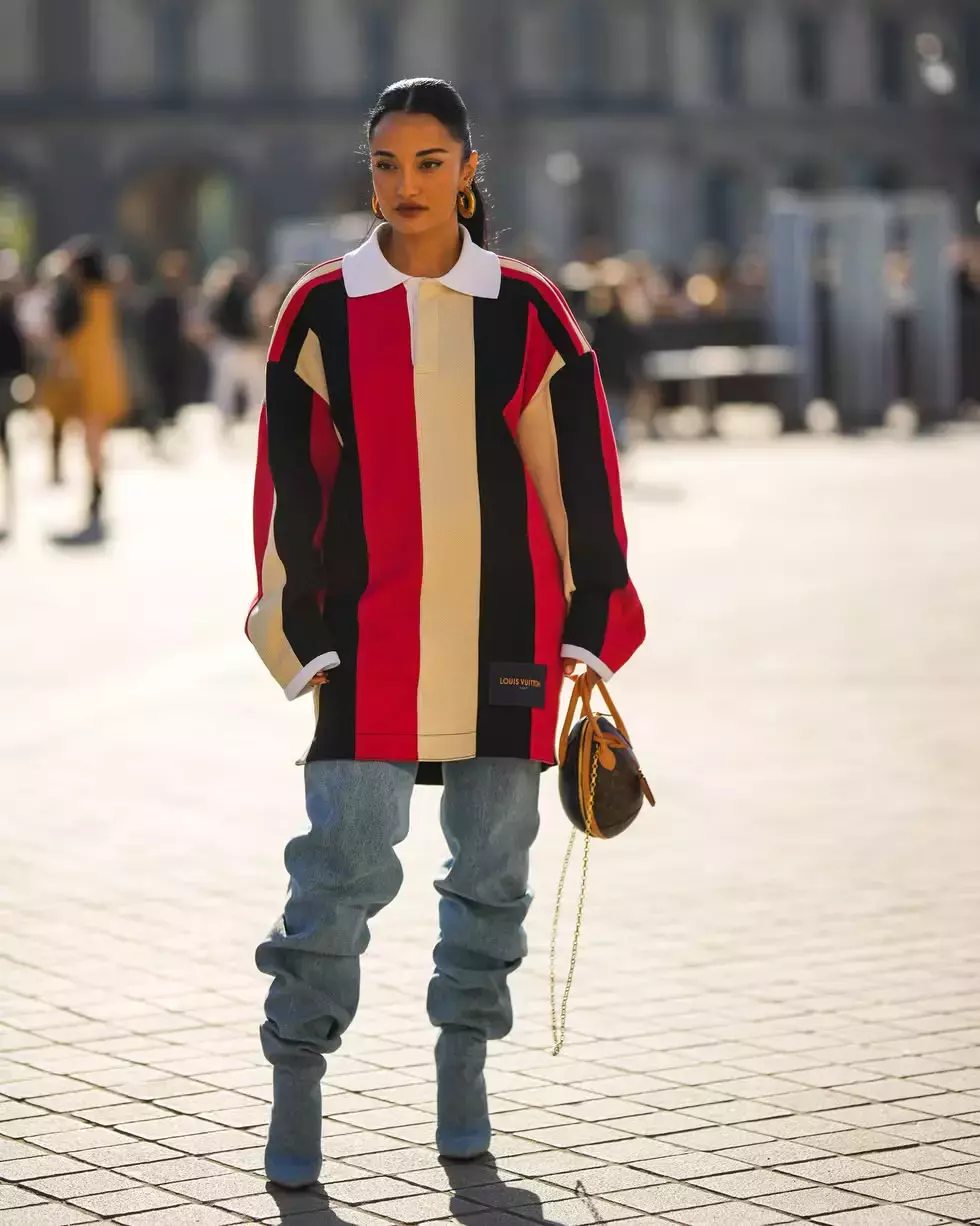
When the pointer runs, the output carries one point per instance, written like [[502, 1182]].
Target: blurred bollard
[[860, 316], [930, 229], [791, 300]]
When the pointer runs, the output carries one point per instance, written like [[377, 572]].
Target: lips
[[411, 209]]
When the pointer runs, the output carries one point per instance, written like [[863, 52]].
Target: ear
[[468, 170]]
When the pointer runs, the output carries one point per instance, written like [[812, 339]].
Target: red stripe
[[554, 298], [625, 629], [291, 307], [538, 354], [389, 649], [549, 621]]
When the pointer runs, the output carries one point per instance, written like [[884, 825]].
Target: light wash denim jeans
[[345, 869]]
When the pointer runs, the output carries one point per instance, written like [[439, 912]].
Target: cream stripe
[[445, 410], [265, 621], [538, 445], [309, 366]]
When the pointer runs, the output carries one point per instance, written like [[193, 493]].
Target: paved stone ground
[[777, 1015]]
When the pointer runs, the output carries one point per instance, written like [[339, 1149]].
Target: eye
[[431, 164], [383, 164]]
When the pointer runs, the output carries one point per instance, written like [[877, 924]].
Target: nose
[[408, 184]]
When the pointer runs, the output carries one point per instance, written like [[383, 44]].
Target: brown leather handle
[[585, 683], [579, 694]]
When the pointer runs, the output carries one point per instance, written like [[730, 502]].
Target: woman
[[236, 352], [164, 335], [13, 364], [438, 524], [86, 377]]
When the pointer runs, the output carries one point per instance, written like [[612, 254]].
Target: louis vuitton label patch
[[518, 685]]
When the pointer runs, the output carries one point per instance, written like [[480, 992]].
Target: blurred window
[[629, 64], [971, 53], [123, 60], [720, 200], [891, 57], [332, 47], [807, 177], [888, 177], [728, 52], [425, 44], [539, 57], [810, 41], [378, 46], [18, 45], [223, 48], [598, 205]]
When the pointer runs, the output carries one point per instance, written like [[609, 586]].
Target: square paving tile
[[961, 1206], [903, 1187], [182, 1215], [137, 1200], [86, 1183], [883, 1215], [731, 1215], [217, 1187], [810, 1202], [48, 1214]]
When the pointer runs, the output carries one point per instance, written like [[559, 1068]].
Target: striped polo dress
[[438, 516]]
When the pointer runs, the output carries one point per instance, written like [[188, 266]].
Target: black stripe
[[345, 563], [289, 410], [598, 565], [507, 579], [554, 326]]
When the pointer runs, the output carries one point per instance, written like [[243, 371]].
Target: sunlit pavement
[[777, 1009]]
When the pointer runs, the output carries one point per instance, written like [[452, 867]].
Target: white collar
[[476, 272]]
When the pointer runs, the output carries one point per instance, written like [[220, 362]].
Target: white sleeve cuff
[[569, 652], [300, 683]]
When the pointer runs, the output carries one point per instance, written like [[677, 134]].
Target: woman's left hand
[[572, 668]]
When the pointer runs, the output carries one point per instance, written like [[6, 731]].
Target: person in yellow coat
[[86, 377]]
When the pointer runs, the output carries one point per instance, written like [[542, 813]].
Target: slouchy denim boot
[[463, 1123], [293, 1153]]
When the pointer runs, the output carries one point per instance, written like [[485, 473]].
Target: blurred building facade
[[652, 124]]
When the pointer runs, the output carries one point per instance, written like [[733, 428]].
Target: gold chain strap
[[558, 1023]]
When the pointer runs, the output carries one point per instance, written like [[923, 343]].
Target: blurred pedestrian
[[238, 355], [131, 311], [13, 366], [36, 309], [165, 334], [88, 363], [428, 404], [616, 342]]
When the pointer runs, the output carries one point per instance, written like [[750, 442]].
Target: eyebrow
[[386, 153]]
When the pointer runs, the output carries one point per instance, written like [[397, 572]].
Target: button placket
[[427, 327]]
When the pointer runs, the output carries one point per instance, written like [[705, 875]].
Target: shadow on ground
[[475, 1187]]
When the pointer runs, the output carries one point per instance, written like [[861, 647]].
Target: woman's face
[[418, 170]]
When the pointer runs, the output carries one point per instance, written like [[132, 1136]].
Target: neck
[[431, 254]]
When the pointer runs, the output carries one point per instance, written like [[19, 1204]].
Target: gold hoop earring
[[466, 203], [376, 208]]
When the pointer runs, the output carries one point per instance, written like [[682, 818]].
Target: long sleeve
[[605, 623], [298, 452]]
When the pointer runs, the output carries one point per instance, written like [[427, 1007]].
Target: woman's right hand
[[320, 678]]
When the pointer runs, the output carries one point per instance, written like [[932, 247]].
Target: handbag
[[602, 790]]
